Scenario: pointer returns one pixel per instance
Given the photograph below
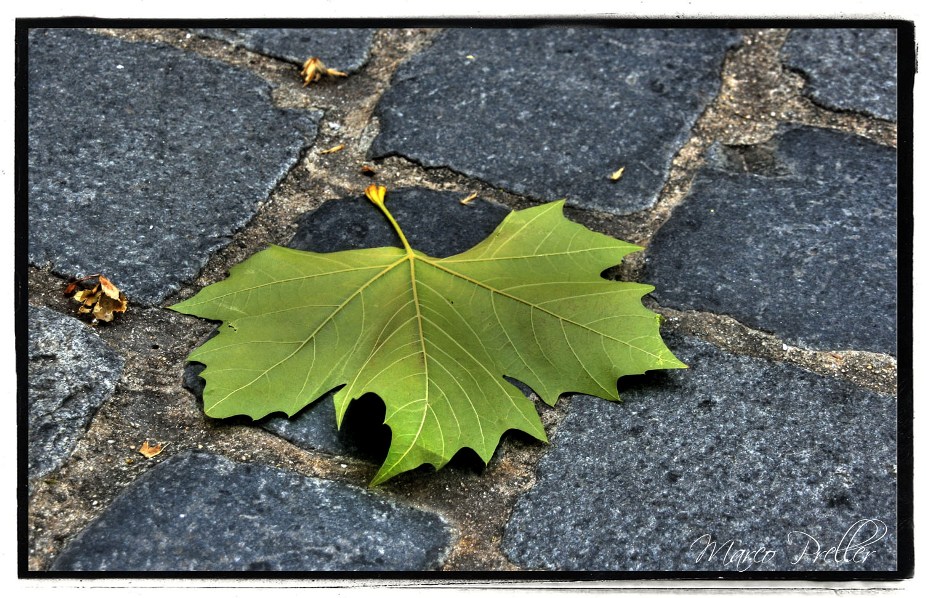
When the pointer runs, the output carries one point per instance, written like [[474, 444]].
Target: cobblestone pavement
[[760, 174]]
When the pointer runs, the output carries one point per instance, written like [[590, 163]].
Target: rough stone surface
[[143, 159], [344, 49], [798, 239], [848, 69], [434, 222], [71, 373], [551, 112], [760, 456], [201, 512]]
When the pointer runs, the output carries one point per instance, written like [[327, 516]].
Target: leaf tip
[[182, 307], [380, 478], [671, 362], [543, 437], [677, 363]]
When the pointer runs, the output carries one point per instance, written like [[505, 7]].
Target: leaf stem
[[377, 194]]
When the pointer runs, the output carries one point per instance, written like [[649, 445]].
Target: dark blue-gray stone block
[[144, 159], [71, 373], [758, 456], [434, 222], [345, 49], [202, 512], [362, 433], [848, 69], [799, 240], [551, 112]]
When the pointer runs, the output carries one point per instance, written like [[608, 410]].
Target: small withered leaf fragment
[[88, 296], [108, 288], [77, 283], [106, 307], [151, 450], [103, 299], [617, 174], [314, 68], [469, 198]]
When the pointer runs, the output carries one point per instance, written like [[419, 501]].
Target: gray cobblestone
[[734, 450], [200, 512], [144, 159], [797, 238], [848, 69], [71, 373], [551, 113]]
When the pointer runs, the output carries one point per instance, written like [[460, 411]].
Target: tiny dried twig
[[469, 198], [332, 150]]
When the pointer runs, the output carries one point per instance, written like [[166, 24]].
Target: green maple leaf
[[433, 338]]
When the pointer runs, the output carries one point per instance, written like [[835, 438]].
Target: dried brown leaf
[[102, 300], [151, 450], [314, 68]]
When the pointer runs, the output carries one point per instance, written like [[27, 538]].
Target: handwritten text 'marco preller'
[[854, 546]]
